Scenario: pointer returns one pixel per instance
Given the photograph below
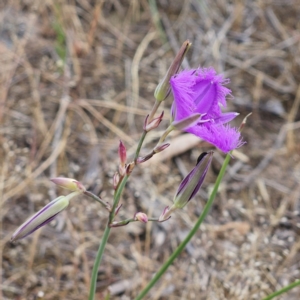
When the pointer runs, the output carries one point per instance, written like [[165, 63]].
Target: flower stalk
[[183, 244], [114, 210]]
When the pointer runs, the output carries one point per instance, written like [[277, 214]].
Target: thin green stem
[[138, 149], [190, 235], [283, 290], [130, 220], [97, 263], [164, 135], [154, 110], [117, 196], [93, 196], [112, 214]]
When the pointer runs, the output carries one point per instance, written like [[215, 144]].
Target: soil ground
[[77, 76]]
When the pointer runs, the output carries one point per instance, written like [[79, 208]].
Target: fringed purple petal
[[182, 87], [199, 91], [222, 136], [203, 91], [209, 75]]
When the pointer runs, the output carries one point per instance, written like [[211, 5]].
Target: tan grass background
[[65, 119]]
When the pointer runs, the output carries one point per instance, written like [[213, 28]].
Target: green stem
[[154, 110], [130, 220], [164, 135], [97, 263], [138, 149], [283, 290], [117, 196], [190, 235], [112, 215]]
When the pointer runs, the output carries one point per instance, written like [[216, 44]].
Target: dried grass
[[66, 120]]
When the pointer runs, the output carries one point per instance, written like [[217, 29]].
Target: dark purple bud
[[191, 184]]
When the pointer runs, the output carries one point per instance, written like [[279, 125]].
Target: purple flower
[[202, 91]]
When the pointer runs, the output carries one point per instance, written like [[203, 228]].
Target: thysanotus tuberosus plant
[[199, 95]]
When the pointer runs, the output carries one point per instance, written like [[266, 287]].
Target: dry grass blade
[[70, 124]]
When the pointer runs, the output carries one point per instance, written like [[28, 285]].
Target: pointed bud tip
[[163, 89], [166, 214], [161, 148], [122, 153]]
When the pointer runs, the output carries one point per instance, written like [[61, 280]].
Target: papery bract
[[202, 91]]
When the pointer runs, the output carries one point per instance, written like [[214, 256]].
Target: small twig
[[98, 199]]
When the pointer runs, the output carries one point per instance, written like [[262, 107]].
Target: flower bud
[[69, 184], [123, 158], [153, 124], [122, 153], [142, 217], [163, 89], [44, 216], [191, 184]]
